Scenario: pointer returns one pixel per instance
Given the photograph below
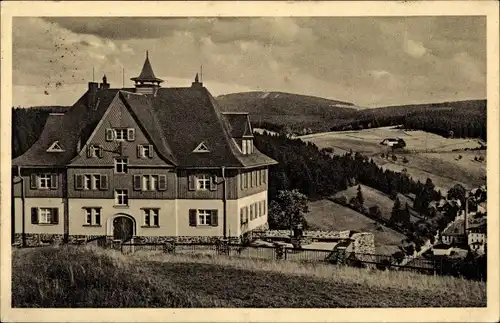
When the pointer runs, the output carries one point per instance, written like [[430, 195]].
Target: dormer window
[[55, 148], [247, 146], [120, 134], [94, 151], [201, 148]]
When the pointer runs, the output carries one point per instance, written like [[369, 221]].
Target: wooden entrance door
[[123, 228]]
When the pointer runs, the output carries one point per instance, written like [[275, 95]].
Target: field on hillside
[[442, 165], [328, 215], [373, 197], [84, 277]]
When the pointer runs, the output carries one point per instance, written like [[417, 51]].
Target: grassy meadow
[[89, 277], [328, 215], [444, 166]]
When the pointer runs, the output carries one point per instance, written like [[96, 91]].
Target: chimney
[[197, 82], [92, 94], [104, 85]]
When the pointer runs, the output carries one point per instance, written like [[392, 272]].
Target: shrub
[[394, 158]]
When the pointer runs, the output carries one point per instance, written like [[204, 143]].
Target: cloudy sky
[[367, 61]]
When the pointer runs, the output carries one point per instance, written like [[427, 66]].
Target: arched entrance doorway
[[122, 227]]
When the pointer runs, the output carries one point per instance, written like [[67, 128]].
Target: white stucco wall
[[40, 202], [77, 216]]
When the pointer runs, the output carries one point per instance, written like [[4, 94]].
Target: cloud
[[414, 49], [365, 60], [377, 74]]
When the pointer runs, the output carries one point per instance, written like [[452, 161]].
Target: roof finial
[[147, 54], [196, 78]]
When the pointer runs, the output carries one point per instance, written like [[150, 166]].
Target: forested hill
[[273, 110], [462, 118], [27, 125]]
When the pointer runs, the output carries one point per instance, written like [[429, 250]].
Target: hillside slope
[[287, 109], [328, 215], [84, 277]]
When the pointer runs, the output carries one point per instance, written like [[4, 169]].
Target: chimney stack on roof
[[196, 82], [104, 85], [92, 94]]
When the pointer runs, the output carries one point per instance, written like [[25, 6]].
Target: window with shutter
[[215, 218], [100, 152], [104, 182], [137, 182], [110, 134], [213, 183], [53, 181], [192, 182], [162, 182], [242, 183], [192, 217], [55, 216], [130, 134], [150, 152], [34, 215], [78, 182], [33, 181]]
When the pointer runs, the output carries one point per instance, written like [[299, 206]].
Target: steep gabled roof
[[76, 124], [176, 120]]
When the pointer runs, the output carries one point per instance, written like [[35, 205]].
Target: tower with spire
[[146, 82]]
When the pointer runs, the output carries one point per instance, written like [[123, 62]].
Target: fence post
[[279, 252]]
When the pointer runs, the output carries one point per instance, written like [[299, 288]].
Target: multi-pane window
[[203, 182], [95, 151], [204, 217], [45, 215], [247, 146], [145, 151], [92, 216], [121, 165], [151, 217], [91, 181], [149, 182], [120, 134], [44, 181], [121, 197], [87, 182]]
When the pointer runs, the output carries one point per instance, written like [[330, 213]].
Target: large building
[[150, 162]]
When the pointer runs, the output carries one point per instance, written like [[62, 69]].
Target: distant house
[[476, 237], [393, 142], [455, 234]]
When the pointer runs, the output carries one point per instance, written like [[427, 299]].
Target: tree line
[[318, 174]]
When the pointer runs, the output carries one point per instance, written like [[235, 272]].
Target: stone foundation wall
[[35, 239], [40, 239], [363, 243], [313, 234]]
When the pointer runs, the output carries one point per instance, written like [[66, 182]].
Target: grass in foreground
[[84, 277]]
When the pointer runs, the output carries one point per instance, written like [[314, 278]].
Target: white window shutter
[[150, 151], [130, 134], [110, 134]]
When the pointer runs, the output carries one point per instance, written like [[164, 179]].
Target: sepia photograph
[[261, 161]]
